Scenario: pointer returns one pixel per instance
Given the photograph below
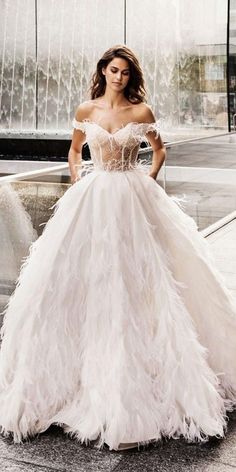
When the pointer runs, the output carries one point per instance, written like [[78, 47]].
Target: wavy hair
[[135, 89]]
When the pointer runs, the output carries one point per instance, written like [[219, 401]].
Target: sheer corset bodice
[[116, 151]]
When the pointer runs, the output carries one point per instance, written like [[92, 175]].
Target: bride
[[120, 330]]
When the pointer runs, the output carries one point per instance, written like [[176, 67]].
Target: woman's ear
[[103, 71]]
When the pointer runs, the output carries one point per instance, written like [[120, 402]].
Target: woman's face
[[117, 74]]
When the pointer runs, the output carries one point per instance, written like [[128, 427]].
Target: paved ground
[[54, 451], [215, 152], [206, 202], [205, 172], [223, 246]]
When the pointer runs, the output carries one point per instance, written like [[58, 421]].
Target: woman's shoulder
[[84, 110], [145, 113], [140, 112]]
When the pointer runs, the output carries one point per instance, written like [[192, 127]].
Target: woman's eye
[[124, 73]]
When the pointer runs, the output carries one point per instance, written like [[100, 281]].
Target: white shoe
[[124, 446]]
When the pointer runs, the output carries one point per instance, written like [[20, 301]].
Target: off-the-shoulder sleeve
[[78, 125], [146, 128], [155, 126]]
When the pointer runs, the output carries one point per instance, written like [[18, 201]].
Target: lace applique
[[147, 128], [152, 127]]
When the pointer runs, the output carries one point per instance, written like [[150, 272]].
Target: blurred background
[[187, 49]]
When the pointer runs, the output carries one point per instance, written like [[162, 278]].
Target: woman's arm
[[78, 139], [159, 150], [74, 156], [159, 153]]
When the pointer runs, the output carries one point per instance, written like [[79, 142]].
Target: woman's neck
[[113, 100]]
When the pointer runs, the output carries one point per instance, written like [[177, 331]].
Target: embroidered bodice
[[115, 151]]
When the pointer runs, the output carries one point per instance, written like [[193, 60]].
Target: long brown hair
[[135, 89]]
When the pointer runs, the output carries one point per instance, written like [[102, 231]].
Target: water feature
[[49, 51]]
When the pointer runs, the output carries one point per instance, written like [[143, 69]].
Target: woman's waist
[[114, 165]]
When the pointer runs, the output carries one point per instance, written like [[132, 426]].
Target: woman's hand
[[74, 179]]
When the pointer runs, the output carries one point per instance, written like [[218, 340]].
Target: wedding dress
[[120, 329]]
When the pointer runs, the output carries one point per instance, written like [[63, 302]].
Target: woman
[[121, 329]]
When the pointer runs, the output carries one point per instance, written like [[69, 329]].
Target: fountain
[[50, 48]]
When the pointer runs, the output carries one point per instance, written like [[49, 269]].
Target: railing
[[31, 174], [234, 121], [202, 181], [191, 140], [142, 152]]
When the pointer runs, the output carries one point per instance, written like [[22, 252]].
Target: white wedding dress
[[120, 329], [16, 235]]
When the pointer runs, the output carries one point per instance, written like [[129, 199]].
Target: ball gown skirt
[[16, 234], [120, 329]]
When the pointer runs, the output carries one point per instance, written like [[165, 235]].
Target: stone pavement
[[55, 451], [223, 247]]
